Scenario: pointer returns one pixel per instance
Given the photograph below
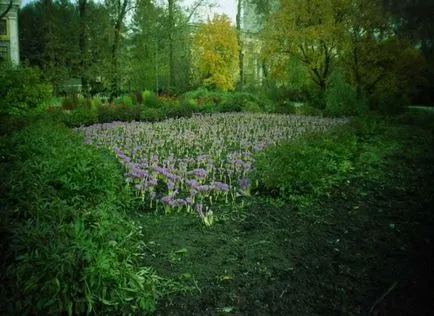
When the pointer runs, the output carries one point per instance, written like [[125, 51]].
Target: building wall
[[9, 42]]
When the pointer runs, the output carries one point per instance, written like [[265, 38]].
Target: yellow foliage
[[215, 49], [313, 31]]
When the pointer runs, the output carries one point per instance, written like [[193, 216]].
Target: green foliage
[[72, 250], [106, 113], [174, 109], [316, 98], [21, 90], [388, 102], [306, 168], [311, 167], [150, 100], [213, 101], [340, 96], [70, 102], [151, 114]]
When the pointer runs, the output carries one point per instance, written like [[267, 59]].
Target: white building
[[9, 43]]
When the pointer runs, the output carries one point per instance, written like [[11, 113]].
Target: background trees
[[215, 50], [383, 49]]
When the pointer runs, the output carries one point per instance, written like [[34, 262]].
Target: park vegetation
[[155, 160]]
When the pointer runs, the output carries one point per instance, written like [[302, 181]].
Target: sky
[[227, 7]]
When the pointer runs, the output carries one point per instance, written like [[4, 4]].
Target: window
[[3, 28]]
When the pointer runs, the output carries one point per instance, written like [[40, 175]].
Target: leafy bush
[[81, 115], [307, 168], [251, 106], [151, 114], [96, 102], [150, 100], [107, 113], [316, 98], [72, 249], [175, 110], [21, 89], [306, 109], [340, 96], [386, 102], [70, 102]]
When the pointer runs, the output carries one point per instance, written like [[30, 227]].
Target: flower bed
[[188, 164]]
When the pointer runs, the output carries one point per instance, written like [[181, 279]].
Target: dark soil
[[365, 250]]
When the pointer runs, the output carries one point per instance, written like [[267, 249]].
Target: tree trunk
[[240, 44], [171, 46], [115, 84], [83, 47]]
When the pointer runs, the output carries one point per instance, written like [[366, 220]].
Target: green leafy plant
[[72, 249], [21, 89], [340, 96]]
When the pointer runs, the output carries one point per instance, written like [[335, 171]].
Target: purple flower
[[153, 195], [138, 173], [203, 188], [152, 182], [167, 200], [180, 202], [170, 185], [198, 209], [199, 172], [220, 186], [171, 176], [244, 183], [192, 182], [159, 169]]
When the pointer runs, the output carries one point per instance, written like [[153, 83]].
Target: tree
[[240, 44], [83, 44], [118, 11], [53, 45], [215, 50], [311, 31]]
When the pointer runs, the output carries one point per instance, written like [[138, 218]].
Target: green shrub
[[21, 89], [96, 102], [316, 98], [151, 100], [82, 115], [128, 101], [106, 113], [340, 96], [306, 109], [308, 168], [70, 102], [285, 107], [391, 103], [251, 106], [71, 248], [151, 114], [175, 110]]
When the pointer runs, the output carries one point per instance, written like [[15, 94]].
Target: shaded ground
[[366, 250]]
